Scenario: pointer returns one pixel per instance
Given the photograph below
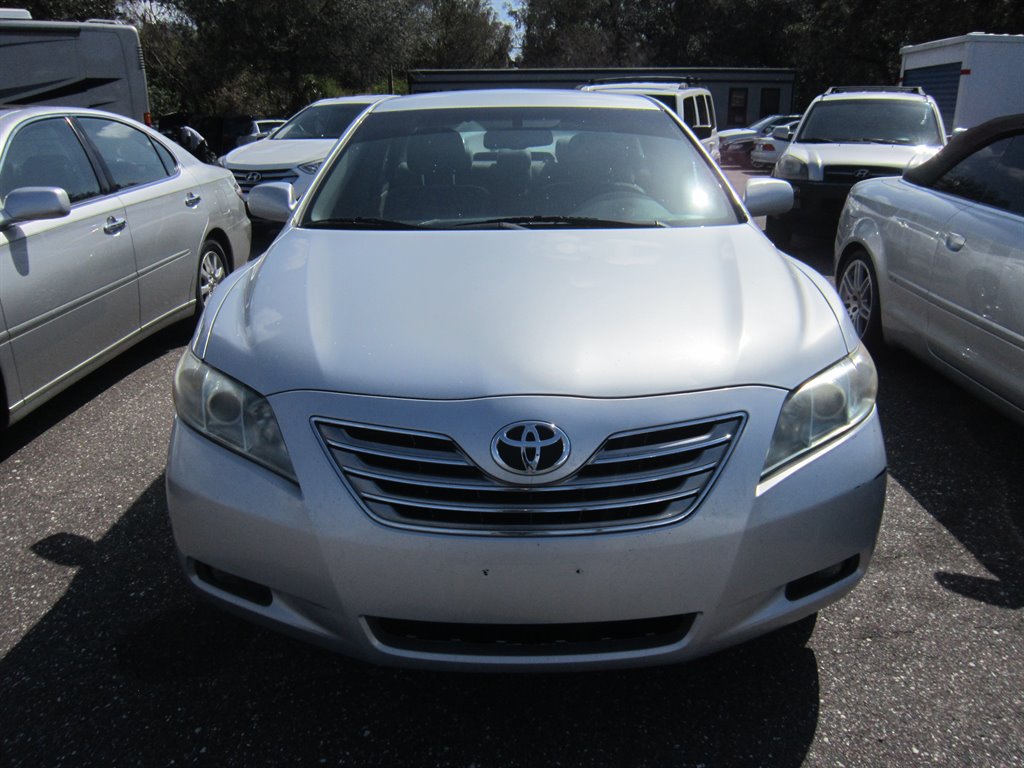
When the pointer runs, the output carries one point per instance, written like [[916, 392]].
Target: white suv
[[847, 135], [692, 103], [294, 152]]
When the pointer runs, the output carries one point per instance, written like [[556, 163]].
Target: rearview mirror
[[32, 203], [273, 201], [768, 197], [782, 133]]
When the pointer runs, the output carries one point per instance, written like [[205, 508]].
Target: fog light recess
[[826, 577]]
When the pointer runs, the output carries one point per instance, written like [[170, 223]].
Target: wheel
[[213, 267], [779, 231], [858, 288]]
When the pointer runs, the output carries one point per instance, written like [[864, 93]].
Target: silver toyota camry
[[522, 385]]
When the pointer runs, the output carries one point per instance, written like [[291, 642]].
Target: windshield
[[523, 167], [326, 121], [764, 122], [875, 121]]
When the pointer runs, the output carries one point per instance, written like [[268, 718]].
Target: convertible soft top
[[962, 145]]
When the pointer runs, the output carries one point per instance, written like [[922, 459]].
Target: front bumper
[[327, 572]]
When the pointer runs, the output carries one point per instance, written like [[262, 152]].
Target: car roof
[[13, 114], [514, 97], [644, 85], [874, 95], [366, 98]]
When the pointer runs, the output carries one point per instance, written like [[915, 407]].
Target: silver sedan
[[522, 385], [934, 261], [108, 232]]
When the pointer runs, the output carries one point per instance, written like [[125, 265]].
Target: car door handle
[[955, 242], [114, 225], [192, 200]]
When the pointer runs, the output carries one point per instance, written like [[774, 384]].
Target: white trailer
[[972, 78]]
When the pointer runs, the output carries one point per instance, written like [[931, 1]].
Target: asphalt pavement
[[108, 660]]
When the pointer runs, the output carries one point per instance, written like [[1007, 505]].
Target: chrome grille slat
[[534, 509], [425, 481], [410, 456], [270, 174], [682, 446], [550, 489]]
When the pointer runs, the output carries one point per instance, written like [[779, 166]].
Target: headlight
[[311, 167], [229, 413], [820, 409], [790, 167]]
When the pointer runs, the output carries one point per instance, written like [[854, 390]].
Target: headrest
[[437, 153]]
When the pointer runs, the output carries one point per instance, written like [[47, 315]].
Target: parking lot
[[109, 660]]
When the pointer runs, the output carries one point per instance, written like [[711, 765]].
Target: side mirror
[[32, 203], [768, 197], [273, 201], [782, 133]]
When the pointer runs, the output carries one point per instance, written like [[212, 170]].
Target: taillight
[[147, 118]]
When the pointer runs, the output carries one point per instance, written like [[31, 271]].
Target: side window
[[1006, 185], [128, 153], [47, 153], [690, 111], [170, 164], [974, 177], [702, 111], [711, 110]]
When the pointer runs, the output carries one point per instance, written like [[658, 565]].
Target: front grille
[[639, 478], [851, 174], [242, 176], [531, 639]]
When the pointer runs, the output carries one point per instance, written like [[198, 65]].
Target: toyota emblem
[[530, 447], [254, 177]]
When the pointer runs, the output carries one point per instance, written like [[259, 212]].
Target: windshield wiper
[[358, 222], [581, 222]]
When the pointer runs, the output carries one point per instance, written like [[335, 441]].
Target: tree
[[463, 34], [71, 10]]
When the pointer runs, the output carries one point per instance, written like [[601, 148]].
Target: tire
[[214, 266], [779, 231], [857, 284]]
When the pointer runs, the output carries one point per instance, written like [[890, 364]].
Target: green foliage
[[69, 10], [274, 57]]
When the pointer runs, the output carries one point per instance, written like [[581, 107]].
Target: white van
[[692, 103]]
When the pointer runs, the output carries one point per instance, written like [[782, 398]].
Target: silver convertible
[[934, 261], [108, 232], [522, 385]]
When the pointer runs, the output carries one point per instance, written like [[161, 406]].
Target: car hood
[[279, 153], [463, 314], [896, 156]]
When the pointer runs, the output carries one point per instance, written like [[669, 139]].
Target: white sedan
[[934, 261]]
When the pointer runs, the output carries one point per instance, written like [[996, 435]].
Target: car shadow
[[129, 666], [961, 461]]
